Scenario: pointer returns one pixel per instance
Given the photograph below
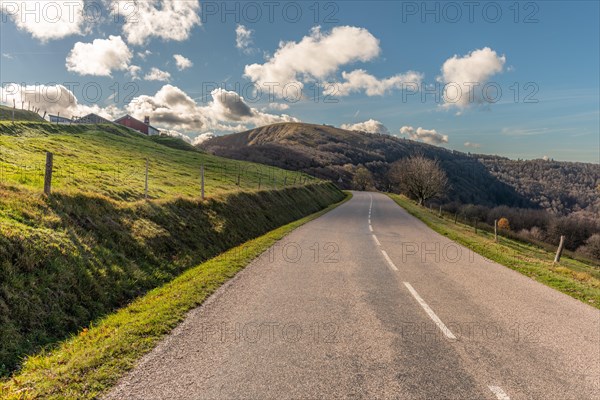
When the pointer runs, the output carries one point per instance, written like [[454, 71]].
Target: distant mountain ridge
[[332, 153]]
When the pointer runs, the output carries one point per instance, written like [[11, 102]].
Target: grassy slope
[[110, 160], [92, 246], [6, 113], [88, 364], [571, 277]]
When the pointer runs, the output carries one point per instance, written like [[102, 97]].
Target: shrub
[[591, 247], [504, 224]]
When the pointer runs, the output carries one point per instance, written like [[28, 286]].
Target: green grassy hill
[[6, 114], [95, 244], [110, 160]]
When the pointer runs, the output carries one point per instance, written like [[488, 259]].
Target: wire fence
[[143, 177]]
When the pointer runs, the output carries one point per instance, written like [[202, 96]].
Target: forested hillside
[[332, 153]]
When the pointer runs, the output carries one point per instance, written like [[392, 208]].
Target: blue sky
[[549, 50]]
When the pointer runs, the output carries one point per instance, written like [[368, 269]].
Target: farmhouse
[[57, 119], [91, 119], [136, 124]]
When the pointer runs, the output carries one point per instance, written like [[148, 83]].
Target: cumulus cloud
[[45, 19], [227, 111], [361, 81], [430, 136], [182, 62], [134, 72], [278, 106], [164, 19], [53, 99], [156, 74], [198, 140], [100, 57], [472, 145], [316, 56], [370, 126], [243, 38], [461, 74]]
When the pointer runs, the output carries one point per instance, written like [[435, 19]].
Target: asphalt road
[[367, 302]]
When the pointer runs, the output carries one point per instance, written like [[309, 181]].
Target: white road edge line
[[376, 240], [389, 260], [500, 394], [430, 312]]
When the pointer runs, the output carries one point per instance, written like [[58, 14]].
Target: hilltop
[[332, 153], [6, 114], [109, 160]]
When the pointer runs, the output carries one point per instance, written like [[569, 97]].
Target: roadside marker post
[[496, 230], [561, 247]]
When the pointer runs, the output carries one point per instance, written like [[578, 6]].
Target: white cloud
[[316, 56], [134, 72], [156, 74], [176, 134], [370, 126], [430, 136], [523, 131], [243, 38], [7, 56], [100, 57], [203, 138], [461, 74], [144, 54], [182, 62], [359, 80], [171, 107], [52, 99], [278, 106], [46, 19], [472, 145], [164, 19]]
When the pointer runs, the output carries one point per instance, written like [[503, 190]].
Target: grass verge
[[571, 277], [88, 364]]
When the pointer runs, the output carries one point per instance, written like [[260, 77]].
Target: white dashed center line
[[500, 394], [389, 260], [376, 240], [430, 312]]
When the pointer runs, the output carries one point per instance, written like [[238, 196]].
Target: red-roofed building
[[136, 124]]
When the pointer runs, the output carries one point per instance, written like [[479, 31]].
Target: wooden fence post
[[48, 173], [259, 179], [440, 215], [496, 230], [202, 180], [146, 185], [475, 226], [455, 217], [561, 246]]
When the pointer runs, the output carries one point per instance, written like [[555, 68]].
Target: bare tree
[[363, 178], [419, 177]]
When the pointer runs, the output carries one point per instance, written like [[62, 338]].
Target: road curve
[[368, 302]]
